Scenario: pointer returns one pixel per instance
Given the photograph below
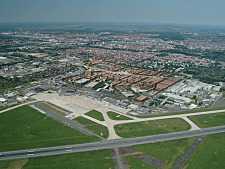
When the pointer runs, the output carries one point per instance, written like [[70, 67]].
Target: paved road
[[183, 159], [107, 144], [192, 124], [169, 117], [77, 126], [118, 158]]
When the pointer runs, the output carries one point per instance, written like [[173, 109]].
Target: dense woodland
[[207, 74]]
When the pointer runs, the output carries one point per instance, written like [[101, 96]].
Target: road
[[169, 117], [107, 144]]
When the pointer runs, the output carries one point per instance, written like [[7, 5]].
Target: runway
[[107, 144]]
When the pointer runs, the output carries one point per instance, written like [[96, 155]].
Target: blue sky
[[210, 12]]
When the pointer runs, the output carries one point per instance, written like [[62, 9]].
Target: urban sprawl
[[141, 72]]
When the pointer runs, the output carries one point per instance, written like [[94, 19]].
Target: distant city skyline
[[145, 11]]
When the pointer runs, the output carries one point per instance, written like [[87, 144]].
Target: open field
[[95, 114], [93, 126], [93, 159], [116, 116], [39, 55], [25, 128], [209, 154], [83, 121], [168, 151], [138, 129], [209, 120], [134, 163]]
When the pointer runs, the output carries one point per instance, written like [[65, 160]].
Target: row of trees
[[210, 74]]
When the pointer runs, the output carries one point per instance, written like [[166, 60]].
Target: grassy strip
[[184, 112], [25, 128], [95, 114], [116, 116], [134, 163], [95, 128], [209, 120], [51, 108], [138, 129], [209, 154], [58, 107], [83, 121], [92, 159], [168, 151]]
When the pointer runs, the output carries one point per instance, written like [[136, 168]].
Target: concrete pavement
[[110, 125], [94, 120], [168, 117], [193, 125], [107, 144]]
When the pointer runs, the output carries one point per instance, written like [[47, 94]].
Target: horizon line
[[110, 22]]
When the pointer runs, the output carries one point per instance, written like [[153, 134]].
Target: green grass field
[[95, 128], [25, 128], [209, 154], [116, 116], [95, 114], [51, 108], [168, 151], [85, 160], [151, 127], [209, 120], [134, 163]]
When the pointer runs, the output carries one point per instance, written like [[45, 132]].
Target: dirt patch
[[39, 55], [129, 151], [18, 164]]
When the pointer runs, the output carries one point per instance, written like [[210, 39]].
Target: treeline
[[207, 74], [214, 55], [10, 83]]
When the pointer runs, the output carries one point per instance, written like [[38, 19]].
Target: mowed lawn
[[25, 128], [116, 116], [85, 160], [209, 154], [146, 128], [92, 126], [209, 120], [95, 114], [168, 151], [134, 163]]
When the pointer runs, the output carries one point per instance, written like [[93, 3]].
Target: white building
[[3, 100]]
